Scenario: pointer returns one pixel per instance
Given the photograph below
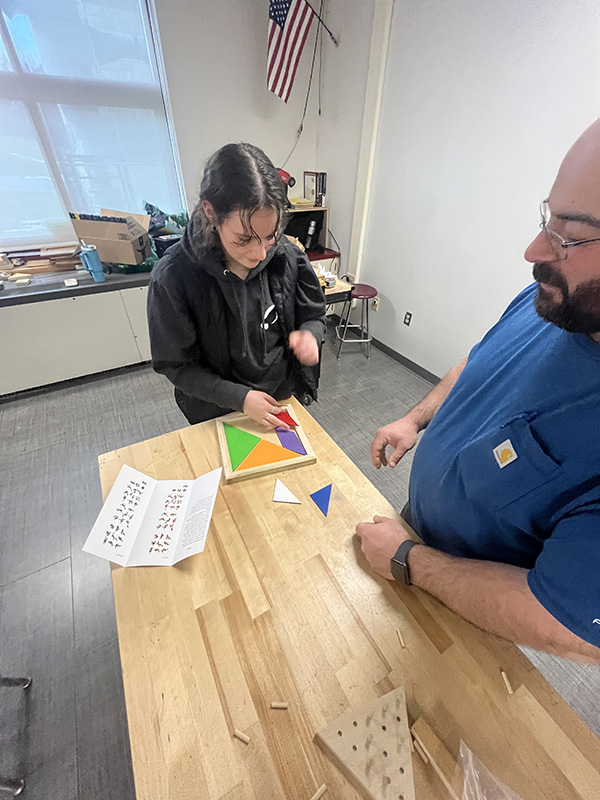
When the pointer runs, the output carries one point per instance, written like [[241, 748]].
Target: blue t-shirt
[[509, 468]]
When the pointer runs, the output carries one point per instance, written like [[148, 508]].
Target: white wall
[[481, 101], [215, 63], [343, 100]]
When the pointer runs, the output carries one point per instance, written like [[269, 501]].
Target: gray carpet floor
[[68, 734]]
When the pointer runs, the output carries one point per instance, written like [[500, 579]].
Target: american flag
[[289, 24]]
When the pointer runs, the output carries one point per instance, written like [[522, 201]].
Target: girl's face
[[246, 249]]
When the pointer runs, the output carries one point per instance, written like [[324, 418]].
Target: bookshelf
[[297, 222]]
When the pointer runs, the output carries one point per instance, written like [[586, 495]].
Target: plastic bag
[[162, 224], [479, 783]]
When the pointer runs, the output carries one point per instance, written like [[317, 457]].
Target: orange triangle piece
[[266, 453]]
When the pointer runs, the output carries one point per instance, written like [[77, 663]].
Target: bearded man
[[505, 484]]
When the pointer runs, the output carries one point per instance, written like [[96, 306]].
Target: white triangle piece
[[283, 495]]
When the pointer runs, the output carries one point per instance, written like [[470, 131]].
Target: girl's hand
[[305, 347], [262, 408]]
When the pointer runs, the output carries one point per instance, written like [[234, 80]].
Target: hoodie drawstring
[[234, 285], [263, 292]]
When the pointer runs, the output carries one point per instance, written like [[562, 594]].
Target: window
[[82, 117]]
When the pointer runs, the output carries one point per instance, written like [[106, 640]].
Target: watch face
[[400, 572], [399, 565]]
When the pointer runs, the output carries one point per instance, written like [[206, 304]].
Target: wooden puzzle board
[[371, 747], [259, 459]]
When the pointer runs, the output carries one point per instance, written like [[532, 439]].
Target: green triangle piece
[[239, 443]]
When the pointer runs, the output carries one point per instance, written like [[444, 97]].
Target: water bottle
[[91, 261], [312, 226]]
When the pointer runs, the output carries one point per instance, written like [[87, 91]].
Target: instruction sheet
[[145, 522]]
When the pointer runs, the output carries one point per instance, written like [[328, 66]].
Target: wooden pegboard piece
[[371, 747]]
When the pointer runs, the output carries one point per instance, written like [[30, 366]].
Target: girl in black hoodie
[[236, 313]]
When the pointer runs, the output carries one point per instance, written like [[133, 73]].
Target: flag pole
[[322, 22], [312, 67]]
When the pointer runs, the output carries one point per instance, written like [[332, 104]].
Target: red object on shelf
[[321, 255]]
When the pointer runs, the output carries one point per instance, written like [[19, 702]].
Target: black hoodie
[[215, 336]]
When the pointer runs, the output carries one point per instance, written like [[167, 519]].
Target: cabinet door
[[135, 305], [60, 339]]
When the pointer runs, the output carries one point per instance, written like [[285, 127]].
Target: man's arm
[[495, 597], [402, 434]]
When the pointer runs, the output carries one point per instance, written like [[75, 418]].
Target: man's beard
[[578, 312]]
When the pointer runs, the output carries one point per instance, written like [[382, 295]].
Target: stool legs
[[364, 336], [13, 788], [8, 786], [19, 683], [368, 334], [345, 319], [362, 318]]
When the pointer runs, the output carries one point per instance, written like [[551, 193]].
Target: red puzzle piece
[[285, 417]]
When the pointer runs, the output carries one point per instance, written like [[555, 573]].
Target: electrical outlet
[[375, 304], [407, 318]]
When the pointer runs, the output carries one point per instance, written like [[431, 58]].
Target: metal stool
[[364, 293], [14, 788]]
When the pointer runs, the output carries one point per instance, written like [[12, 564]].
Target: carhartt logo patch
[[504, 453]]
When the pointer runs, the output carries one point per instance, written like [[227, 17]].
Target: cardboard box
[[143, 219], [119, 237]]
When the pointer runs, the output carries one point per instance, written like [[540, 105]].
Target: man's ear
[[210, 212]]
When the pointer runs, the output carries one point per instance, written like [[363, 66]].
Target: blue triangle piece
[[322, 497]]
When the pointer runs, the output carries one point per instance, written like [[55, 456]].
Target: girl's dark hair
[[238, 177]]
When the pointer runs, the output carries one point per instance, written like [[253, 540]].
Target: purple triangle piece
[[290, 441], [322, 497]]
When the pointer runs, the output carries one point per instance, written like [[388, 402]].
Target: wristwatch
[[399, 562]]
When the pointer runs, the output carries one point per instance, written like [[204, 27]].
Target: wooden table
[[281, 607], [338, 293]]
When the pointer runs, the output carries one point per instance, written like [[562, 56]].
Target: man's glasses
[[559, 244]]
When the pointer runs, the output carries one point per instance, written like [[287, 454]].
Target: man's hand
[[305, 347], [379, 541], [401, 435], [262, 408]]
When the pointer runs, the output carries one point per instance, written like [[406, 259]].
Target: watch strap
[[399, 562]]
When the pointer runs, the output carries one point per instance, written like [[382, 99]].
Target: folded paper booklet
[[145, 522]]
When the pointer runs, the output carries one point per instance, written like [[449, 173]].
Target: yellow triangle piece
[[266, 453]]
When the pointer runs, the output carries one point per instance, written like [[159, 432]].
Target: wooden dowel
[[423, 749], [420, 751], [400, 638], [507, 683], [279, 704], [241, 736], [319, 793]]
